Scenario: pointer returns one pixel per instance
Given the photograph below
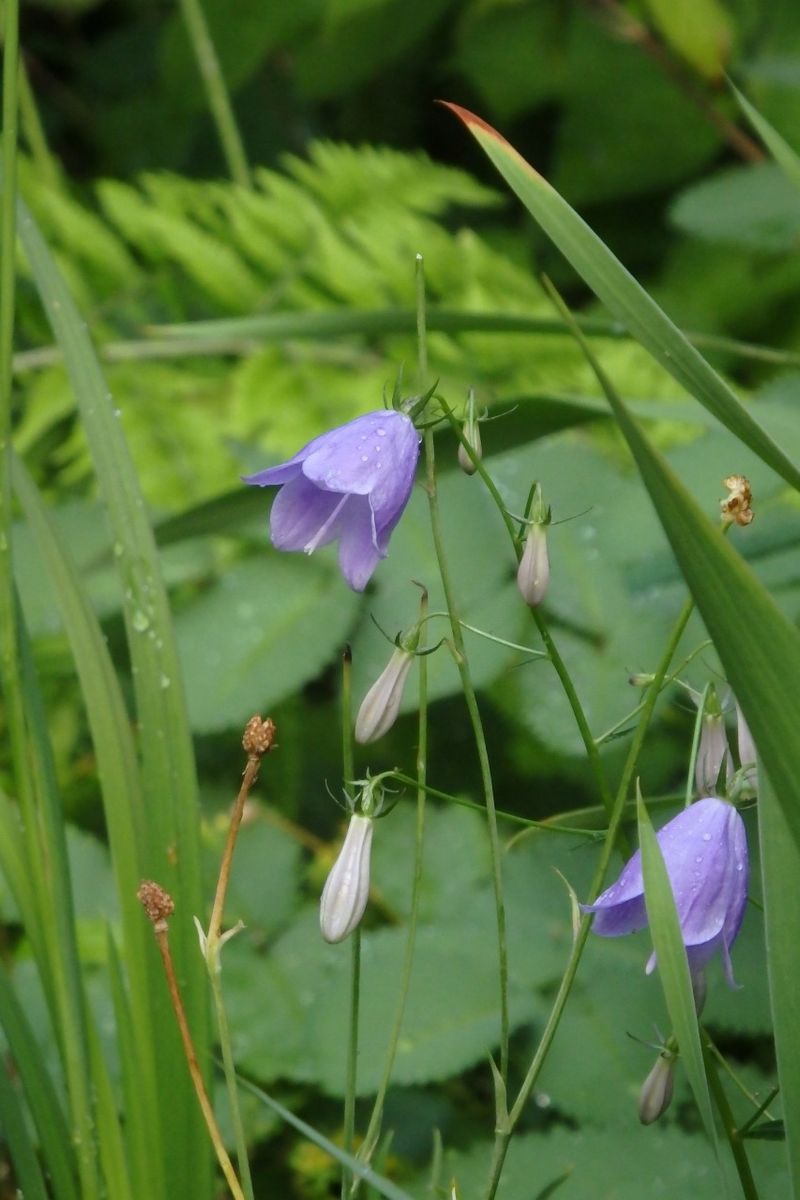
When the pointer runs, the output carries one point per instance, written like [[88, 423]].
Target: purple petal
[[300, 513], [358, 552], [275, 476], [629, 886], [618, 919], [376, 453]]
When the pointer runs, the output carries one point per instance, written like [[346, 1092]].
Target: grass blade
[[171, 852], [624, 297], [779, 148], [758, 646], [780, 864], [673, 967]]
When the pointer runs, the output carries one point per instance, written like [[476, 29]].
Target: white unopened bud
[[656, 1093], [533, 575], [712, 755], [747, 751], [472, 435], [344, 896], [380, 706]]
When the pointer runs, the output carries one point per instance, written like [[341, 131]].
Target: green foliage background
[[214, 308]]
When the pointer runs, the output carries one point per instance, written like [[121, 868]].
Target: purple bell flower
[[705, 853], [351, 483]]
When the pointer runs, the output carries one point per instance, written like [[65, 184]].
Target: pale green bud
[[380, 706], [346, 890], [655, 1096], [472, 434], [533, 574], [712, 755]]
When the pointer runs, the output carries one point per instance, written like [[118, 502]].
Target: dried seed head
[[259, 736], [735, 507], [157, 903]]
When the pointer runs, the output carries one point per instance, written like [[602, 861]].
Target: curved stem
[[348, 767], [373, 1129], [503, 1135], [462, 663]]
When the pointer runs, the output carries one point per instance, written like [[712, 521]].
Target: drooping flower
[[346, 890], [351, 483], [705, 852]]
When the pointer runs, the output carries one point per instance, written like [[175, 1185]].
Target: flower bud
[[380, 706], [533, 575], [344, 896], [656, 1094], [712, 754], [747, 751], [472, 435]]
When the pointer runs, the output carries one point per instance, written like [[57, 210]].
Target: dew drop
[[119, 549], [706, 837], [140, 621], [699, 858], [381, 432], [365, 458], [165, 681], [740, 866]]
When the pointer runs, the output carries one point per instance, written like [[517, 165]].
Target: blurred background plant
[[240, 306]]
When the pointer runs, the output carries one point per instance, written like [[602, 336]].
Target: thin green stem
[[503, 1134], [229, 1069], [216, 92], [559, 666], [749, 1189], [462, 663], [374, 1127], [348, 766]]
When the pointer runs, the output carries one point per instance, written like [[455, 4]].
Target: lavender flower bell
[[705, 853], [351, 483]]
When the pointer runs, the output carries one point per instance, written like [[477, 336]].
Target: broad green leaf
[[786, 158], [268, 626], [755, 207], [673, 967], [612, 1164], [780, 864], [623, 296]]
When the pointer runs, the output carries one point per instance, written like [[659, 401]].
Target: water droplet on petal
[[740, 866], [365, 458], [699, 858], [706, 837], [381, 432]]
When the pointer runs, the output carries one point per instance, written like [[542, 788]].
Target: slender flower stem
[[741, 1161], [158, 905], [217, 93], [504, 1133], [373, 1129], [462, 663], [351, 1079], [258, 740], [590, 743], [47, 166]]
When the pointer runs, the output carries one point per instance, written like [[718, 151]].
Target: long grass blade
[[624, 297], [169, 826], [780, 868]]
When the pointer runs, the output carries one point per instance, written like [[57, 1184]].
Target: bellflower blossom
[[705, 853], [351, 483]]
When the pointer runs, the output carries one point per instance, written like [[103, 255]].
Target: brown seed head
[[735, 507], [259, 735], [157, 903]]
